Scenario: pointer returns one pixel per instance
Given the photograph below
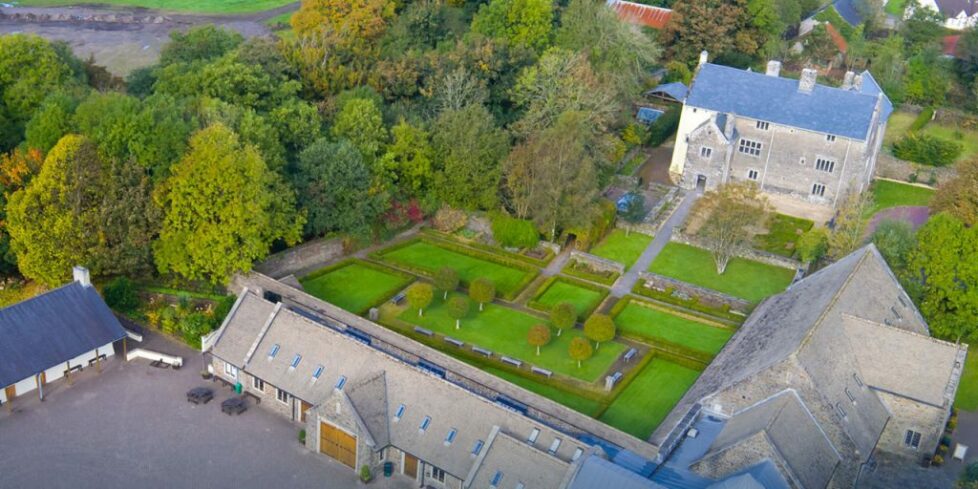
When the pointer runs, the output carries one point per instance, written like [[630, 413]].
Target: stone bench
[[426, 332], [454, 341], [631, 354], [399, 298], [542, 371], [482, 351], [512, 361]]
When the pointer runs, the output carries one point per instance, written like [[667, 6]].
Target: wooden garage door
[[337, 444]]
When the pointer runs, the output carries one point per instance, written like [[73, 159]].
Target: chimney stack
[[773, 68], [81, 275], [847, 81], [808, 79], [703, 57], [857, 83]]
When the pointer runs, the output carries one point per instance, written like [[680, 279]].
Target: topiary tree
[[458, 307], [598, 328], [482, 290], [580, 350], [564, 316], [539, 335], [419, 296], [447, 280]]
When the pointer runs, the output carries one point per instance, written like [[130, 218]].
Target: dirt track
[[123, 47]]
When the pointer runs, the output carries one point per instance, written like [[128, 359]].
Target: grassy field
[[503, 331], [783, 233], [573, 401], [654, 324], [897, 126], [431, 257], [355, 287], [621, 248], [640, 408], [746, 279], [967, 396], [888, 194], [584, 299], [968, 139], [194, 6]]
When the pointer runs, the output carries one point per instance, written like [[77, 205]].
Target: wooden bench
[[631, 354], [482, 351], [426, 332], [542, 371], [512, 361], [454, 341], [399, 298]]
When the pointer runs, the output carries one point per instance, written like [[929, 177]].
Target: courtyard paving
[[131, 426]]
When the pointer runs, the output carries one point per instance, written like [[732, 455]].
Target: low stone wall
[[686, 291], [554, 247], [303, 257], [747, 254], [893, 168], [33, 16], [597, 263]]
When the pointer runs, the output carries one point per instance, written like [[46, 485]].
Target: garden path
[[623, 286]]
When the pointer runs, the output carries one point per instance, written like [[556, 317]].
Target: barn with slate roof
[[46, 337]]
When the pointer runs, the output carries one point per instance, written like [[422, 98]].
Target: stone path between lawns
[[623, 286]]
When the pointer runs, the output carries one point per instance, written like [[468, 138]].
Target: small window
[[752, 174], [450, 437], [282, 396], [841, 411], [902, 301], [399, 412], [830, 138], [437, 474], [533, 436], [764, 126], [231, 370], [912, 439], [341, 382], [295, 361], [751, 148], [577, 454], [822, 164], [316, 374], [424, 424], [706, 152], [859, 382], [896, 313], [258, 384], [273, 351], [851, 397], [818, 189], [496, 479], [554, 446], [477, 447]]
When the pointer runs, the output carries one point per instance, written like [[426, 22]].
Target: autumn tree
[[419, 295], [446, 279], [959, 196], [408, 162], [729, 212], [599, 328], [813, 244], [458, 307], [333, 185], [537, 336], [525, 23], [564, 316], [716, 26], [482, 290], [223, 208], [580, 350], [849, 230], [469, 148]]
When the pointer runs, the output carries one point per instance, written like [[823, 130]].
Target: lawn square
[[622, 247], [355, 286], [647, 321], [585, 298], [645, 402]]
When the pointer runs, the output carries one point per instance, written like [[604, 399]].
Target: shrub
[[970, 473], [419, 295], [120, 294], [813, 244], [482, 290], [458, 307], [302, 436], [448, 220], [927, 149], [922, 119], [365, 474], [664, 127], [193, 326], [937, 460], [564, 316], [514, 233], [580, 350]]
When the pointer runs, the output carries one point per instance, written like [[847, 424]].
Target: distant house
[[47, 337], [806, 145], [828, 382], [958, 14], [641, 14]]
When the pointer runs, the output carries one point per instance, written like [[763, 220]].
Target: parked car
[[234, 405], [200, 395]]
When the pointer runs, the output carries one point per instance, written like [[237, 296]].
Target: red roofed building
[[640, 14], [837, 38]]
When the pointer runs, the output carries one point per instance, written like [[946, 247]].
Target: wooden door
[[44, 378], [11, 392], [337, 444], [410, 466], [303, 408]]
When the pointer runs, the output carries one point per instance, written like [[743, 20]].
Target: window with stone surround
[[706, 151], [437, 474], [282, 396], [826, 165], [258, 384], [818, 189], [764, 126], [830, 138], [231, 370], [750, 148], [752, 174], [912, 439]]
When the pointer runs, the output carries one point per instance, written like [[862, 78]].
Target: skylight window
[[318, 372], [451, 436], [533, 436], [496, 479], [477, 447], [273, 351], [577, 454], [295, 361], [554, 446], [341, 382], [399, 412], [424, 424]]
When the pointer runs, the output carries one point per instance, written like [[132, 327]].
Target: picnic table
[[234, 405]]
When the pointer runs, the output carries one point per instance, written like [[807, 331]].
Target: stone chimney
[[81, 275], [847, 81], [773, 68], [703, 57], [808, 79], [857, 83]]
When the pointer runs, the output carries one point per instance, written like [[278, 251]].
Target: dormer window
[[424, 424], [273, 351], [318, 372]]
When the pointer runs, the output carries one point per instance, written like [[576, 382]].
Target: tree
[[564, 316], [419, 295], [50, 122], [813, 244], [729, 213], [469, 147], [446, 279], [716, 26], [120, 294], [943, 268], [458, 307], [482, 290], [361, 122], [580, 350], [599, 328], [537, 336], [634, 211], [959, 196], [521, 22], [223, 208], [895, 240], [333, 185], [409, 159], [200, 43], [850, 226]]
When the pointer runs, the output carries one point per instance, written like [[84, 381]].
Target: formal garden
[[622, 246]]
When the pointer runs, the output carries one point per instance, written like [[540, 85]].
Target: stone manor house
[[806, 145]]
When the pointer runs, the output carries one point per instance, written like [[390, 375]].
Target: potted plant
[[937, 460], [302, 437], [365, 474]]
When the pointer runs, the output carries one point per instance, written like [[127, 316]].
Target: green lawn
[[195, 6], [655, 325], [888, 194], [746, 279], [968, 139], [896, 7], [783, 233], [355, 287], [583, 298], [621, 248], [967, 396], [503, 331], [280, 21], [640, 408], [573, 401], [430, 257], [897, 126]]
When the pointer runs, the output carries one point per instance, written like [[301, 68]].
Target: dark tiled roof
[[952, 8], [847, 10], [676, 90], [775, 99], [52, 328]]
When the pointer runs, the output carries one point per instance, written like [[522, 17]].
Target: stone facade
[[268, 394]]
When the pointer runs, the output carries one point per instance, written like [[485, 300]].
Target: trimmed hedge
[[581, 270], [927, 150], [922, 119], [664, 345], [539, 262], [692, 304], [664, 127], [534, 303]]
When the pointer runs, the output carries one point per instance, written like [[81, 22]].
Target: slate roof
[[952, 8], [847, 10], [676, 90], [641, 14], [598, 473], [828, 110], [52, 328]]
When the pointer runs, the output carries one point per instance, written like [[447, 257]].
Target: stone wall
[[597, 263], [747, 254], [912, 415], [302, 258], [37, 15], [683, 290], [893, 168]]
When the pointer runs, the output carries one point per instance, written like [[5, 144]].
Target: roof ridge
[[835, 296], [784, 78], [957, 346]]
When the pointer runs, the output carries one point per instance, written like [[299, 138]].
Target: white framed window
[[750, 148], [830, 138], [818, 189], [230, 370], [554, 446], [764, 126], [912, 439], [822, 164], [706, 151], [258, 384], [437, 474], [281, 395], [533, 436], [752, 174]]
